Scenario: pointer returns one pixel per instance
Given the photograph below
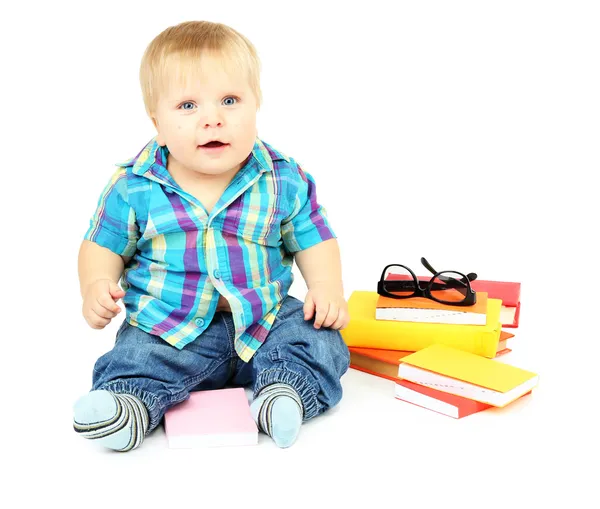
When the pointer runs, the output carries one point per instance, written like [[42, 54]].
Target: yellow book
[[468, 375], [364, 330]]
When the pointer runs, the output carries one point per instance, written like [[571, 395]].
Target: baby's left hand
[[330, 305]]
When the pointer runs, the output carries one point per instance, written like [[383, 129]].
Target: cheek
[[248, 124], [244, 118], [178, 131], [174, 121]]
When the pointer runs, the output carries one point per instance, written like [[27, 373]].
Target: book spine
[[380, 375], [488, 346]]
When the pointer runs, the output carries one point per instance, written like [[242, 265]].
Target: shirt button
[[217, 274], [199, 322]]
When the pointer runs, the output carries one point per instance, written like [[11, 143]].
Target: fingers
[[101, 312], [309, 307], [107, 303], [335, 317], [332, 315], [322, 312], [96, 321], [99, 303], [342, 320], [115, 291]]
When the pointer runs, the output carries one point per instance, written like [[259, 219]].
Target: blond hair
[[183, 45]]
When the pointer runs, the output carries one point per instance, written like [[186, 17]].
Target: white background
[[465, 132]]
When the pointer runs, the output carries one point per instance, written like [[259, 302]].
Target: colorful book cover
[[364, 330]]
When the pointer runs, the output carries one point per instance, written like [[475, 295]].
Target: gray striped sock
[[262, 405], [118, 421]]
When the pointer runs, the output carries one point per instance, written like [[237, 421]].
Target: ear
[[159, 138]]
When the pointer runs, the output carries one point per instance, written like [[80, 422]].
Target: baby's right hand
[[99, 303]]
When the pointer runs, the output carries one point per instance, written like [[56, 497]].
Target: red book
[[509, 292], [438, 401]]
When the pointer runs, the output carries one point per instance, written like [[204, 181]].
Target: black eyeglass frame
[[419, 291]]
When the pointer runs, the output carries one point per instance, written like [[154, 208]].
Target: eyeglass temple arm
[[471, 276], [427, 265]]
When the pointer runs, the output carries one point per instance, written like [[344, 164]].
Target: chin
[[214, 171]]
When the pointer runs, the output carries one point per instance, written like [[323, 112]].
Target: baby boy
[[201, 228]]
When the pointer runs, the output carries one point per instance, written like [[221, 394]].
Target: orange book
[[382, 363], [503, 343], [421, 309], [385, 363]]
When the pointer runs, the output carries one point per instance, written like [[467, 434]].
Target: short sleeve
[[113, 224], [307, 224]]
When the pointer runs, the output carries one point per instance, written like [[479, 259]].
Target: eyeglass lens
[[449, 287], [398, 281]]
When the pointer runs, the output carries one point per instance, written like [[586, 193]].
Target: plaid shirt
[[184, 258]]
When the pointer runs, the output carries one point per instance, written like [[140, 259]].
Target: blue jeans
[[311, 360]]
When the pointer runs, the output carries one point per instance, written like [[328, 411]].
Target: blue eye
[[182, 106], [229, 101]]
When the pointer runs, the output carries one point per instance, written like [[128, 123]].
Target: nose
[[211, 118], [214, 123]]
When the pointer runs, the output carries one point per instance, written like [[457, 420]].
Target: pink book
[[211, 418]]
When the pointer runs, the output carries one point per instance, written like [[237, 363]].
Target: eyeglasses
[[448, 286]]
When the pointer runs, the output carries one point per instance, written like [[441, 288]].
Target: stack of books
[[385, 333]]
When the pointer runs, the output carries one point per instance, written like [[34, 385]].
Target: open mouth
[[213, 144]]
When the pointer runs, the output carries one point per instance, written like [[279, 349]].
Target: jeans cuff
[[306, 391], [151, 402]]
